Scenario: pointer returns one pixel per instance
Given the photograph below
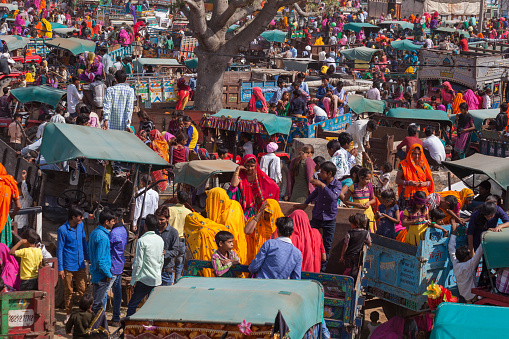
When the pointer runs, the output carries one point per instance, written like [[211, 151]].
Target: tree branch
[[302, 13], [221, 20]]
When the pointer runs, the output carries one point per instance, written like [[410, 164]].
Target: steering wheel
[[72, 197]]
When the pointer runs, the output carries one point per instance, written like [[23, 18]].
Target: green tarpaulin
[[158, 62], [14, 41], [359, 53], [231, 301], [63, 142], [402, 24], [272, 123], [196, 172], [64, 30], [495, 168], [191, 63], [44, 94], [274, 36], [57, 25], [421, 114], [479, 116], [405, 45], [454, 320], [452, 30], [74, 45], [359, 104], [358, 26], [493, 244]]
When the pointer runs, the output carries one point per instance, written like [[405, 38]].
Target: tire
[[31, 134]]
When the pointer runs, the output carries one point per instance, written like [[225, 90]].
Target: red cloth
[[265, 186], [179, 155], [409, 141], [391, 329], [307, 241], [464, 45], [257, 95]]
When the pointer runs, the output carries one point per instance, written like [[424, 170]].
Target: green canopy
[[405, 45], [357, 26], [274, 36], [196, 172], [157, 62], [479, 116], [359, 104], [43, 93], [497, 169], [74, 45], [493, 244], [232, 28], [63, 142], [421, 114], [359, 53], [402, 24], [14, 41], [191, 63], [197, 300], [454, 320], [64, 30], [452, 30], [272, 123], [57, 25]]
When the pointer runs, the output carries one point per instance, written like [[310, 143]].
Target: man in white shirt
[[142, 209], [361, 130], [322, 54], [270, 163], [434, 150], [247, 147], [320, 113], [428, 43], [73, 96], [40, 129], [106, 59], [374, 92], [118, 64]]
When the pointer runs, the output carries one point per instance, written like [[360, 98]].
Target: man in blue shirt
[[278, 91], [278, 258], [322, 90], [303, 85], [325, 196], [100, 258], [71, 255]]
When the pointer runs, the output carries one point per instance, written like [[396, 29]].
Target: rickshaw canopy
[[64, 30], [358, 26], [454, 320], [196, 172], [405, 45], [452, 30], [272, 123], [402, 24], [359, 104], [157, 62], [497, 169], [479, 116], [274, 36], [62, 142], [57, 25], [14, 41], [191, 63], [359, 53], [495, 247], [196, 299], [74, 45], [421, 114], [45, 94]]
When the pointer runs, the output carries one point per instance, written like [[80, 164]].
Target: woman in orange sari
[[414, 175], [160, 146], [8, 192], [458, 99]]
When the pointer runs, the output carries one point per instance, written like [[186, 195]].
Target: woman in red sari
[[308, 240], [251, 186]]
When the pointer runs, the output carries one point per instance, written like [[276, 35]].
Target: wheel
[[31, 134], [72, 198]]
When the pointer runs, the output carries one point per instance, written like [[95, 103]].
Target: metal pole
[[481, 17], [449, 180]]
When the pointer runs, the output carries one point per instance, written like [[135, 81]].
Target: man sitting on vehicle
[[5, 103]]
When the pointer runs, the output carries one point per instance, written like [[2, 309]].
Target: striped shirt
[[118, 106]]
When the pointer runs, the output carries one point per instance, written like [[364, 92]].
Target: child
[[297, 107], [362, 196], [325, 195], [387, 215], [145, 122], [15, 132], [354, 242], [273, 108], [319, 160], [463, 267], [31, 260], [25, 200], [247, 144], [385, 176], [374, 317], [81, 319], [224, 257], [179, 152], [486, 100]]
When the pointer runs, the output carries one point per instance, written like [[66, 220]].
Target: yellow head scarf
[[465, 194], [264, 229], [222, 210]]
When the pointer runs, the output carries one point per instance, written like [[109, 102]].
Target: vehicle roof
[[359, 53], [479, 116], [495, 246], [357, 26], [42, 93], [232, 300], [74, 45], [196, 172], [405, 45], [272, 123], [158, 62], [422, 114]]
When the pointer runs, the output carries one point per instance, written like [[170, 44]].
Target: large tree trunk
[[209, 86]]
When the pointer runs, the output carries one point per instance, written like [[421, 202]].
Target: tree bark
[[209, 85]]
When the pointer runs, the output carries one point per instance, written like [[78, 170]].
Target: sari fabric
[[9, 268], [257, 95], [462, 195], [160, 146], [222, 210], [263, 229], [8, 191], [471, 100], [307, 241], [447, 97], [456, 104], [416, 172], [200, 234]]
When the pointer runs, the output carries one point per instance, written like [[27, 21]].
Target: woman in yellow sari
[[458, 99], [261, 226], [225, 211], [464, 197]]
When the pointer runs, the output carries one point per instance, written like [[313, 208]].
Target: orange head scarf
[[416, 172], [159, 145], [8, 191], [456, 103]]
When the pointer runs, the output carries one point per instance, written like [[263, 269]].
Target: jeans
[[159, 50], [140, 291], [320, 119], [100, 291], [179, 267], [328, 227], [167, 278], [116, 285]]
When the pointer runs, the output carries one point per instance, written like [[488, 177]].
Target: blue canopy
[[272, 123]]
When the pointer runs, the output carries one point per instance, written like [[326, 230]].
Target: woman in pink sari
[[471, 100], [19, 23], [9, 269], [447, 94]]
